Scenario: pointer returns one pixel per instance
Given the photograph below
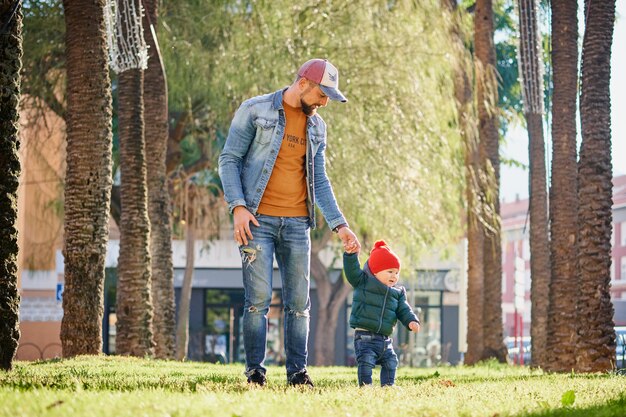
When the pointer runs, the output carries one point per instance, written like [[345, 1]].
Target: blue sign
[[60, 291]]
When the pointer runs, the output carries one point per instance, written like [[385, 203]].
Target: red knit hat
[[381, 258]]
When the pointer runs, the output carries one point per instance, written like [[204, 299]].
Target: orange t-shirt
[[285, 194]]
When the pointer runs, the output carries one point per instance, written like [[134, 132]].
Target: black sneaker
[[257, 378], [300, 378]]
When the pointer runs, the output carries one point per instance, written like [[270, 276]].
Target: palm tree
[[134, 300], [88, 177], [595, 350], [475, 252], [563, 192], [156, 133], [487, 98], [530, 60], [466, 118], [11, 63]]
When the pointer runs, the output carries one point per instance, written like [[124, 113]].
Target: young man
[[273, 174]]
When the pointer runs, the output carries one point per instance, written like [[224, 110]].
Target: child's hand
[[414, 326], [350, 249]]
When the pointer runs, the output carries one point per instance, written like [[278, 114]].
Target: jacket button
[[258, 190], [265, 171]]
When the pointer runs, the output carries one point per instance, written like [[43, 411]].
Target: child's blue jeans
[[373, 349]]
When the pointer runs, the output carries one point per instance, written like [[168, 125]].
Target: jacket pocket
[[264, 130], [317, 138]]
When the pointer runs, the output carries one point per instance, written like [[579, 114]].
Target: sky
[[514, 181]]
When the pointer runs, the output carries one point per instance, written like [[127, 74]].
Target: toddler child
[[378, 303]]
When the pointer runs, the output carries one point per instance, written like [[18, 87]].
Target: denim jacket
[[251, 148]]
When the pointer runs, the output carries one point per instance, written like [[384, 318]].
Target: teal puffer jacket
[[375, 306]]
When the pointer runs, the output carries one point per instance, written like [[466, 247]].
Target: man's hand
[[414, 326], [350, 242], [242, 218]]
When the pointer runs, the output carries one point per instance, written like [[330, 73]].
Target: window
[[613, 266], [214, 339], [623, 234], [622, 274]]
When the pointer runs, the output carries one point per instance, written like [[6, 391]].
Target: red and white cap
[[325, 74]]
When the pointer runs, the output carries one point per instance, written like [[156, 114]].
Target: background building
[[40, 231], [516, 248]]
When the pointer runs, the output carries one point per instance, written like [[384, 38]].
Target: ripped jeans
[[289, 239]]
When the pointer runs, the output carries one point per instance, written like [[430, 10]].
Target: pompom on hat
[[382, 258]]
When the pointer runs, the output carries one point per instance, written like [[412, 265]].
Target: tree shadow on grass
[[463, 379], [612, 408], [496, 377]]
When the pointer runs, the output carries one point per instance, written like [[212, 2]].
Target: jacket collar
[[277, 99], [277, 104], [366, 269]]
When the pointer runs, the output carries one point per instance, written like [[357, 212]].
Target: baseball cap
[[325, 74]]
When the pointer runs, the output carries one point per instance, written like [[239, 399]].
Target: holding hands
[[350, 242]]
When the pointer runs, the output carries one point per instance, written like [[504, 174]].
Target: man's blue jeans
[[372, 349], [289, 239]]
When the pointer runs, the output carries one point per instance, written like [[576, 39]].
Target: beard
[[307, 109]]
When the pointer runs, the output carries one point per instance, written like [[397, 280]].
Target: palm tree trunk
[[88, 177], [487, 98], [595, 350], [563, 192], [539, 241], [530, 61], [11, 58], [473, 150], [134, 299], [475, 262], [155, 107], [182, 329]]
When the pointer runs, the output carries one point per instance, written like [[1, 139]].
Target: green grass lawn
[[114, 386]]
